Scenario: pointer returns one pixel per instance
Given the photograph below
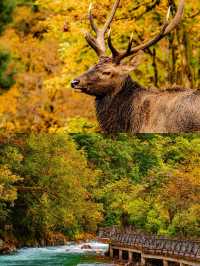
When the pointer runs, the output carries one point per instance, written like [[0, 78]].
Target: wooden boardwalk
[[145, 249]]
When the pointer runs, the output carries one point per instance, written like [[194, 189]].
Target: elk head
[[110, 72]]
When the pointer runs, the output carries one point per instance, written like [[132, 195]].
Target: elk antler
[[98, 43], [166, 29]]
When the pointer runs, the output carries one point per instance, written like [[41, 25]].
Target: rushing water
[[70, 255]]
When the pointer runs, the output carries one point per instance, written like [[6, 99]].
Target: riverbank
[[7, 247], [10, 243]]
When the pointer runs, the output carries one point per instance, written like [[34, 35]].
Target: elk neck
[[114, 112]]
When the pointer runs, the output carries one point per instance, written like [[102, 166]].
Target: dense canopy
[[58, 175]]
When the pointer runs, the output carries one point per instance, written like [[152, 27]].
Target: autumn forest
[[60, 176]]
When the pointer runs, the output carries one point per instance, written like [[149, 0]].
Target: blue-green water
[[70, 255]]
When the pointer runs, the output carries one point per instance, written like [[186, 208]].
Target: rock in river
[[86, 246]]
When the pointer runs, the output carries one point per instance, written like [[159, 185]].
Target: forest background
[[58, 174]]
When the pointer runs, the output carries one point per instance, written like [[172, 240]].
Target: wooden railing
[[151, 244]]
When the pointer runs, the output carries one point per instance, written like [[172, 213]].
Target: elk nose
[[74, 83]]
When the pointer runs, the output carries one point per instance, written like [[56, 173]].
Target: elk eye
[[107, 73]]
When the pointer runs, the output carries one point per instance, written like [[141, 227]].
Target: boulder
[[7, 248], [86, 246]]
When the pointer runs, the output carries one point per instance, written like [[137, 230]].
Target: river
[[69, 255]]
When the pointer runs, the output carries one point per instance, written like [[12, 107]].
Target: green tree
[[56, 189], [6, 9], [6, 78]]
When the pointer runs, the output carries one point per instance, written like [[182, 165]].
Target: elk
[[123, 105]]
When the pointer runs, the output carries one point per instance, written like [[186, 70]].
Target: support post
[[143, 260], [130, 256], [120, 254], [165, 263], [111, 252]]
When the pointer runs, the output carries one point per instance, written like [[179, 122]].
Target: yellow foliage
[[47, 59], [7, 191]]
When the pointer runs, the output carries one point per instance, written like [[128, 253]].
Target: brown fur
[[122, 105]]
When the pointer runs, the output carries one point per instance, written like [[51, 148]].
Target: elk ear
[[133, 62]]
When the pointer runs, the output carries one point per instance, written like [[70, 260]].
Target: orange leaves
[[181, 191]]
